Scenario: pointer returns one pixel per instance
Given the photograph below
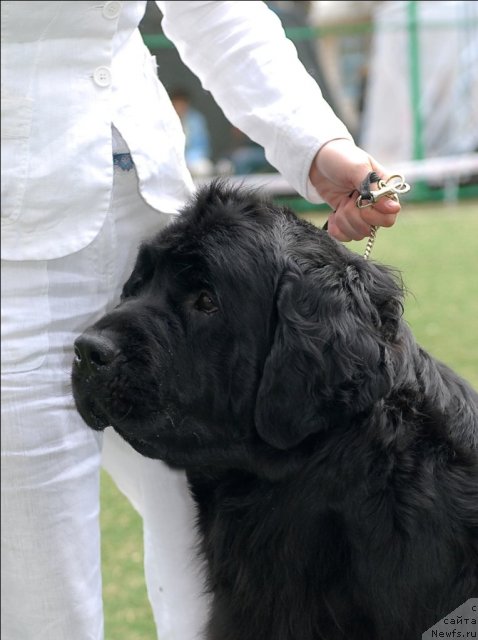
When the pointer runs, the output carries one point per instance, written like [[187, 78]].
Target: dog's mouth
[[99, 409], [95, 419], [151, 446], [93, 412], [98, 418]]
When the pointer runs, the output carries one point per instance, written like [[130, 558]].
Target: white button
[[102, 76], [112, 9]]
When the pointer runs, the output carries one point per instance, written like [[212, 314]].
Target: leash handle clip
[[391, 188]]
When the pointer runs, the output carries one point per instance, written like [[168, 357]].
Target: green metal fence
[[421, 189]]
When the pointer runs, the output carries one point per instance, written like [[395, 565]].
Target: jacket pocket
[[16, 128]]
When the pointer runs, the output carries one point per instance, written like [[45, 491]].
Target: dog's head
[[239, 324]]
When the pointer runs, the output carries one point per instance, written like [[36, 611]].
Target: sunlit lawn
[[436, 249]]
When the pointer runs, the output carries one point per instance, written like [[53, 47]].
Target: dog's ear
[[142, 273], [335, 323]]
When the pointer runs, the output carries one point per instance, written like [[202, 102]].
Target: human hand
[[336, 172]]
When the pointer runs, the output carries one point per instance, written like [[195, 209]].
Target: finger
[[379, 169], [387, 205], [334, 231], [350, 220], [381, 214], [348, 223]]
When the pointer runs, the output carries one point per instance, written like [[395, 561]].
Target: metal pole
[[415, 84]]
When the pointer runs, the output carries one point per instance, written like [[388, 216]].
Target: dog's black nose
[[94, 350]]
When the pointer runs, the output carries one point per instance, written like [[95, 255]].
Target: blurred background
[[403, 76]]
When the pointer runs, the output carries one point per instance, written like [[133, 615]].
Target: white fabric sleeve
[[240, 53]]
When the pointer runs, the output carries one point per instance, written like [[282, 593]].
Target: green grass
[[128, 614], [436, 249]]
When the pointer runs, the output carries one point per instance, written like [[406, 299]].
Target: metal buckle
[[391, 188]]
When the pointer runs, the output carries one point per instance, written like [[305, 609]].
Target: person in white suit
[[92, 162]]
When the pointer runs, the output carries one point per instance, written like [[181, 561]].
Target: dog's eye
[[205, 303]]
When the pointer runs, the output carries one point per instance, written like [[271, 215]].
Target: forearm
[[240, 53]]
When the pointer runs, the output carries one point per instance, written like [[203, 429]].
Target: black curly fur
[[333, 461]]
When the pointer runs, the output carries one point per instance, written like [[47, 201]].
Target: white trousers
[[51, 570]]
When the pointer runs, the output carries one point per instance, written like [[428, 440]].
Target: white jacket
[[70, 70]]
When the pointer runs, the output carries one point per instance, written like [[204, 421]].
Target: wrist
[[341, 150]]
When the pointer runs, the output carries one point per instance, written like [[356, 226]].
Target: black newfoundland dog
[[333, 461]]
